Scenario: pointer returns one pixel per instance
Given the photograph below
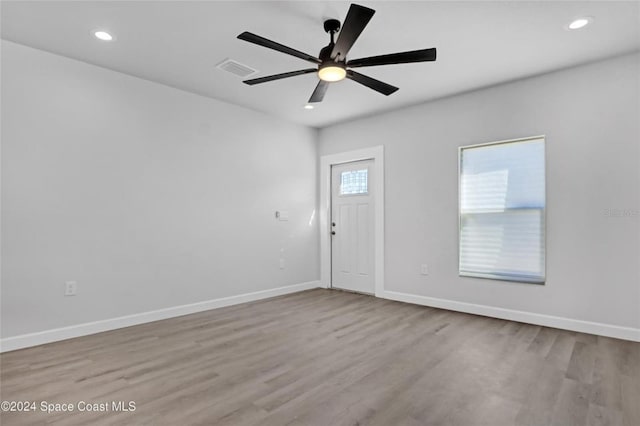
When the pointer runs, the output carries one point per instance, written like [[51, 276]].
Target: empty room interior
[[310, 213]]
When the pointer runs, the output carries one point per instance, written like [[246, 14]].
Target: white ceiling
[[179, 44]]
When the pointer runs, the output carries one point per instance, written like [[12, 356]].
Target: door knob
[[333, 232], [333, 224]]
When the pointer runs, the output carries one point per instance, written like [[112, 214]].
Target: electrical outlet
[[424, 269], [70, 288], [281, 263]]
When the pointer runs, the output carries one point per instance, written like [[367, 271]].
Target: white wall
[[590, 115], [147, 196]]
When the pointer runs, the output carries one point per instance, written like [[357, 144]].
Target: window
[[502, 210], [354, 182]]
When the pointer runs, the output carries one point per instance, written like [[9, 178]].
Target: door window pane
[[354, 182]]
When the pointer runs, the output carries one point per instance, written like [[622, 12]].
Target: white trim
[[615, 331], [63, 333], [375, 153]]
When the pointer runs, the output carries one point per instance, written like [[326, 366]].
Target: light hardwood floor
[[323, 357]]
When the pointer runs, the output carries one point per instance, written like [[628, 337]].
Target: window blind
[[502, 210]]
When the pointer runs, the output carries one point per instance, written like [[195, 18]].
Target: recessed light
[[103, 35], [578, 23], [308, 106]]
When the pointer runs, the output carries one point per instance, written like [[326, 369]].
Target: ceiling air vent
[[236, 68]]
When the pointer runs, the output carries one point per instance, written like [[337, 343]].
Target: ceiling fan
[[332, 63]]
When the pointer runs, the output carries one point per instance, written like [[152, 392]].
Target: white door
[[352, 240]]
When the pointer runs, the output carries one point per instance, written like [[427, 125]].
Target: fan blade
[[261, 41], [318, 93], [372, 83], [357, 18], [278, 76], [423, 55]]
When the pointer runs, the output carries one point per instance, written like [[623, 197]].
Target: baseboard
[[618, 332], [57, 334]]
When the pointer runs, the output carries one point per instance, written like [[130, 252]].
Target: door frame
[[376, 154]]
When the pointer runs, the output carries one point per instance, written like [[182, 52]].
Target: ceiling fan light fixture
[[332, 73]]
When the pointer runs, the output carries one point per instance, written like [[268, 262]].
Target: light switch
[[283, 215]]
